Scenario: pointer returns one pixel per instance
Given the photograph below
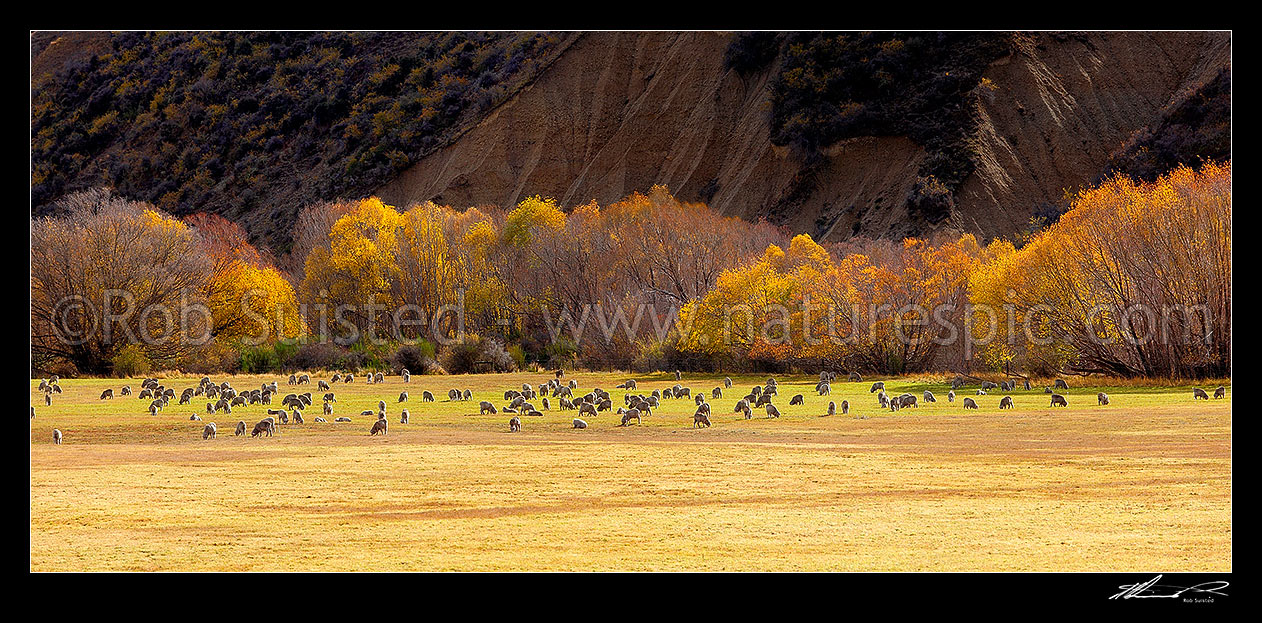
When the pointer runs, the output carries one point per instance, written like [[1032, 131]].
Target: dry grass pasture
[[1142, 484]]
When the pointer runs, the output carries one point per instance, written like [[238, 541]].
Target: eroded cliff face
[[620, 112], [1061, 106]]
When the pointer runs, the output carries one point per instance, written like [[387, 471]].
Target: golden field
[[1141, 484]]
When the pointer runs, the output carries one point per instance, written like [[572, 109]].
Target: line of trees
[[647, 282]]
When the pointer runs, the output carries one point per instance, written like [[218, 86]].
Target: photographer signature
[[1151, 589]]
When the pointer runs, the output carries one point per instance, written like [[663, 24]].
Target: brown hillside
[[619, 112]]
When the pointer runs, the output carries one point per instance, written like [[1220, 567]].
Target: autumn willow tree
[[869, 309], [1134, 280], [249, 299], [109, 274], [521, 273], [374, 262]]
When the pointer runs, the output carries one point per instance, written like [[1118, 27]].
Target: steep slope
[[619, 112], [1062, 105], [252, 125]]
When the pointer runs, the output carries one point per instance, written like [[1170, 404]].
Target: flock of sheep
[[222, 397]]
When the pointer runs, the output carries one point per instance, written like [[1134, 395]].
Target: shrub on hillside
[[752, 51]]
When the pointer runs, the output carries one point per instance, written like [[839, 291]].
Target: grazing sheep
[[486, 407], [403, 417], [772, 411], [466, 396], [633, 414], [1027, 385], [293, 380], [1221, 392], [297, 415], [264, 427], [573, 384], [981, 392], [57, 436], [320, 420], [1199, 393], [381, 377], [322, 385], [1058, 399], [832, 408], [194, 418], [579, 423], [342, 419], [587, 408], [855, 377], [699, 419], [824, 389], [883, 399], [304, 379], [328, 408], [969, 403], [877, 385], [548, 407], [716, 393], [951, 396], [678, 376], [727, 382], [209, 431], [126, 391], [1005, 402], [427, 397], [764, 399], [109, 393], [1102, 399], [988, 385], [240, 429], [845, 407], [907, 400], [349, 378], [741, 405], [929, 396], [796, 400], [48, 400], [1061, 384], [407, 376], [1047, 390], [403, 397], [514, 424], [380, 426]]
